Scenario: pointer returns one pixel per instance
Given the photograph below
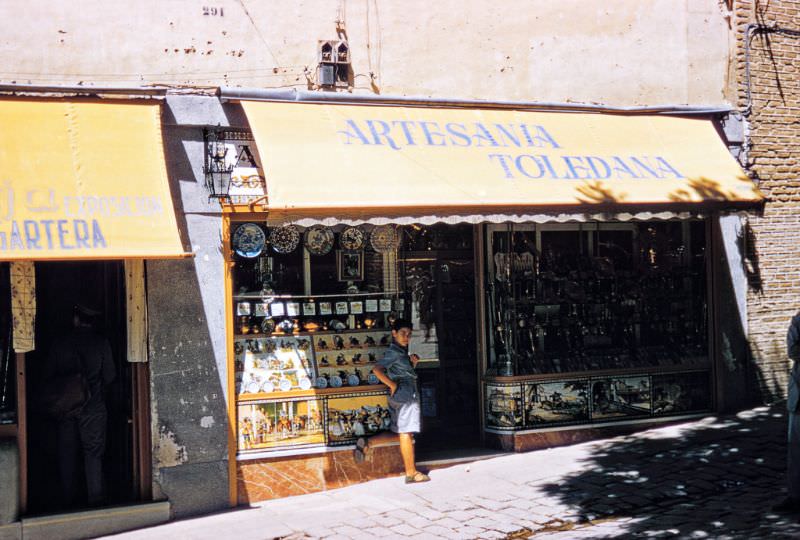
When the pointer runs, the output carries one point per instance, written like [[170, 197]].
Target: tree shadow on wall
[[746, 243], [765, 38], [714, 479]]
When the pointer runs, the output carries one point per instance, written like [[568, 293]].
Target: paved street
[[710, 478]]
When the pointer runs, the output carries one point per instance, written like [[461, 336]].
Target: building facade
[[215, 66], [766, 63]]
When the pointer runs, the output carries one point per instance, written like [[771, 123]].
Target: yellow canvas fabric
[[382, 160], [84, 180]]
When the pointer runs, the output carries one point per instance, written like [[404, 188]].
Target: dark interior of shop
[[59, 287], [437, 264], [8, 386]]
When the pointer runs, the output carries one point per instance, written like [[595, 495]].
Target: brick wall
[[773, 237]]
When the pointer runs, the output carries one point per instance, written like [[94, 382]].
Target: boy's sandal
[[360, 451], [417, 477]]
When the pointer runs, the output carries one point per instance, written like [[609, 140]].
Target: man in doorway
[[396, 370], [86, 352], [792, 501]]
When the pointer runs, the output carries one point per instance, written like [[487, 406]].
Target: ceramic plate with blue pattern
[[249, 240]]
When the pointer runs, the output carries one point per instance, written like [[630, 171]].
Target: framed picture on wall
[[276, 309], [350, 265], [292, 309]]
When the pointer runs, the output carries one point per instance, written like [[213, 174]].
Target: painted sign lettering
[[399, 135], [64, 222]]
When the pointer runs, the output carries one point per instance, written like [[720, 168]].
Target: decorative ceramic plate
[[249, 240], [373, 379], [384, 238], [318, 240], [285, 239], [336, 381], [305, 383], [352, 239], [322, 382], [267, 386], [353, 380], [285, 385], [251, 387]]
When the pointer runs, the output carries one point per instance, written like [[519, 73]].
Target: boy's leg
[[407, 451]]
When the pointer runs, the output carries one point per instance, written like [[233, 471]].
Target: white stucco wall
[[617, 52]]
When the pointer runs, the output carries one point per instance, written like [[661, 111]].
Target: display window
[[595, 322], [311, 310], [606, 296]]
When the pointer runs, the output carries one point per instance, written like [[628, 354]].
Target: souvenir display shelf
[[303, 371], [279, 364], [561, 305], [596, 324], [302, 362]]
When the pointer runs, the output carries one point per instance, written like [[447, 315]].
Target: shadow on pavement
[[712, 479]]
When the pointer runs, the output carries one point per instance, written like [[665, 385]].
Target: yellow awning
[[84, 180], [354, 160]]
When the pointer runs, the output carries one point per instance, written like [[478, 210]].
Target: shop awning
[[351, 163], [84, 180]]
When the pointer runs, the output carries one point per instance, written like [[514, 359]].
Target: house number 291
[[213, 11]]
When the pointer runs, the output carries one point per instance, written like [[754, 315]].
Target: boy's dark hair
[[401, 323]]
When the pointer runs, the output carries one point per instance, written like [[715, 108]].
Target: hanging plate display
[[352, 239], [384, 238], [336, 381], [318, 240], [373, 379], [305, 383], [249, 240], [284, 239], [322, 382]]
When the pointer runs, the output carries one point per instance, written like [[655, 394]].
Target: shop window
[[312, 309], [602, 296]]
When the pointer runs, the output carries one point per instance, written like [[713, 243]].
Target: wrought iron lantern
[[217, 167]]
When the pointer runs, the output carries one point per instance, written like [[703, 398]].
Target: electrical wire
[[751, 30]]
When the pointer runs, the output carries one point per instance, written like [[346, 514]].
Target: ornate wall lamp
[[218, 168]]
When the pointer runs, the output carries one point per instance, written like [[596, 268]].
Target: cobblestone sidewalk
[[710, 478]]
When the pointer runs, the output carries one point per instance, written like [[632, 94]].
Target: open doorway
[[60, 286], [438, 268]]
